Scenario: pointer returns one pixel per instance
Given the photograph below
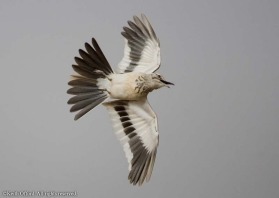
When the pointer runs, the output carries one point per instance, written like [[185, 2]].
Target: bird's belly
[[124, 87]]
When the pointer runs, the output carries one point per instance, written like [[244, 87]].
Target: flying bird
[[124, 93]]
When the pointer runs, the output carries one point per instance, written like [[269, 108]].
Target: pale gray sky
[[218, 124]]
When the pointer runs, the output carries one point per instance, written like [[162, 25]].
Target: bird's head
[[159, 81]]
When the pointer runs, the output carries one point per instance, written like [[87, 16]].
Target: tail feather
[[83, 72], [80, 90], [82, 82], [88, 86], [83, 103], [89, 107], [81, 97], [102, 56]]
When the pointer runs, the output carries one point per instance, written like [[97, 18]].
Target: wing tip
[[141, 173]]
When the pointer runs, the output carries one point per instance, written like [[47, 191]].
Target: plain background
[[218, 125]]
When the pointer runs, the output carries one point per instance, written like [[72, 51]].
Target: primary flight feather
[[133, 119]]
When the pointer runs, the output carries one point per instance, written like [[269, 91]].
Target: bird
[[124, 93]]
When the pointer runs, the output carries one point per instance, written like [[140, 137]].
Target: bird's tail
[[89, 85]]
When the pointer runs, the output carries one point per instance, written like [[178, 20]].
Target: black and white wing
[[142, 47], [135, 125]]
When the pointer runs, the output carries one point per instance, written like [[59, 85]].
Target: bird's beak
[[167, 83]]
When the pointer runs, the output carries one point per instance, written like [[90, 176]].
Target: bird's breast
[[128, 86]]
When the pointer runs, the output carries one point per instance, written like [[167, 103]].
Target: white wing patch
[[142, 47], [135, 125]]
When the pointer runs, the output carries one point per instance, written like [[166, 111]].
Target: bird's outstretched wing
[[135, 125], [142, 47]]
